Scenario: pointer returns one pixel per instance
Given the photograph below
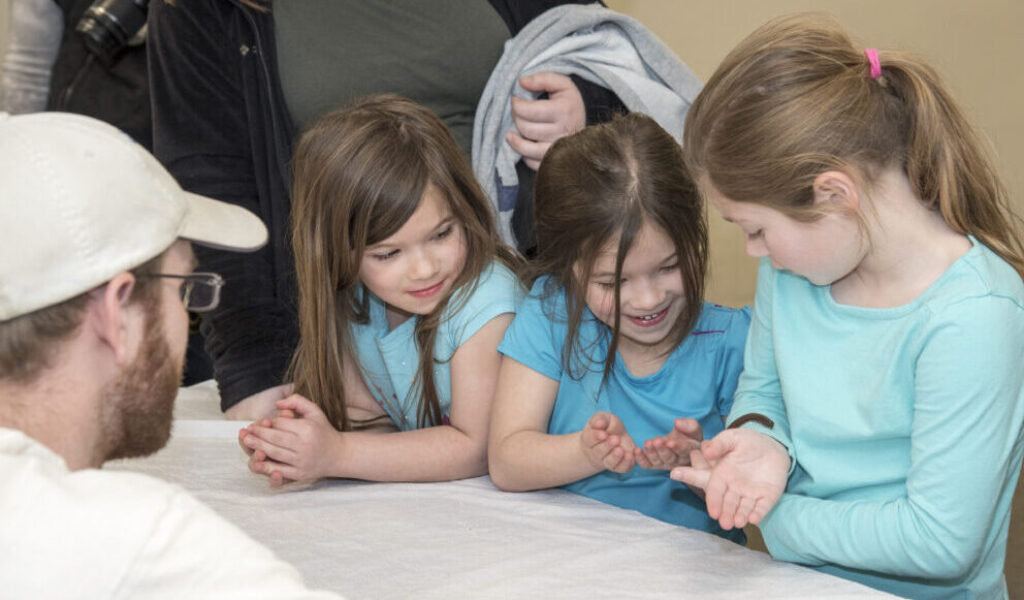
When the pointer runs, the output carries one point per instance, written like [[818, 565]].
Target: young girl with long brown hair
[[404, 294], [881, 406], [614, 364]]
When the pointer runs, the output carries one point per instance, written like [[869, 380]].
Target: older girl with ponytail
[[876, 432]]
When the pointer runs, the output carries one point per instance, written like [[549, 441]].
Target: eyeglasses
[[199, 292]]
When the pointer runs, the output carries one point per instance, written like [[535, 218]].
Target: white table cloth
[[463, 539]]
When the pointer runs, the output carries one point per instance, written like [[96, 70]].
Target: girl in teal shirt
[[614, 365], [404, 293], [882, 399]]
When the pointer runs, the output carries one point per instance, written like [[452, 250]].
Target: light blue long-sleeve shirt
[[905, 425]]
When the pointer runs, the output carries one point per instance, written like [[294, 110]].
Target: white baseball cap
[[80, 202]]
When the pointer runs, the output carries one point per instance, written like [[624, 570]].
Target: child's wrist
[[335, 466], [752, 418], [585, 455]]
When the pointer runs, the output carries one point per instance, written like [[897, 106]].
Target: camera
[[108, 26]]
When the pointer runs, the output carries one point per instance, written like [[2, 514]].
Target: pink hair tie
[[876, 67]]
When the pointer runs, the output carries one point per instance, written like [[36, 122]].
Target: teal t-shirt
[[906, 424], [389, 360], [697, 380]]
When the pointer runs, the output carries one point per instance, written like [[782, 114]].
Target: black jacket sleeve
[[207, 134]]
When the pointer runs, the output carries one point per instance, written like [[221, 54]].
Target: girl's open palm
[[672, 449], [742, 472]]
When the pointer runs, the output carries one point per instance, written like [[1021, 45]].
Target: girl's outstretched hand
[[299, 444], [742, 472], [606, 444], [672, 449]]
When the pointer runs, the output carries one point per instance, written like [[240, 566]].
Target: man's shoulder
[[30, 470], [97, 533], [89, 525]]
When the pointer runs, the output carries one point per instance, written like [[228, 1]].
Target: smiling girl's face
[[414, 269], [650, 289]]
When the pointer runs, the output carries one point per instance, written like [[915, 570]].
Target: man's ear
[[836, 190], [116, 322]]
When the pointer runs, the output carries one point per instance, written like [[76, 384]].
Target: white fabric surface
[[464, 539]]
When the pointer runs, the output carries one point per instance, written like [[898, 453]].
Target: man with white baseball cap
[[95, 279]]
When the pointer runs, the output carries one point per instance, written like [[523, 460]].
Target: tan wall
[[977, 46]]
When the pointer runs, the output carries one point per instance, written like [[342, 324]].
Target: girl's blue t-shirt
[[389, 360], [697, 380]]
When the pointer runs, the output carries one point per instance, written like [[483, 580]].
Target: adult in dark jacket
[[47, 66], [233, 82]]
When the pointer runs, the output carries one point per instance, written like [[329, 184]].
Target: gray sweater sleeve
[[36, 27]]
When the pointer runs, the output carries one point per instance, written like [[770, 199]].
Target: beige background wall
[[977, 46]]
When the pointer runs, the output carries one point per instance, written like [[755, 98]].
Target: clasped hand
[[742, 472], [542, 122], [607, 445], [300, 443]]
